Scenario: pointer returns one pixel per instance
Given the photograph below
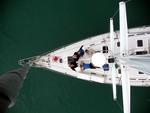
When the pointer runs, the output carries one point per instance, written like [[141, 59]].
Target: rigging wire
[[119, 105], [128, 1], [115, 13]]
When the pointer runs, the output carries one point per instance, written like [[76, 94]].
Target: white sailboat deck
[[97, 43]]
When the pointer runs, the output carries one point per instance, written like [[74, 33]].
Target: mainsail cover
[[141, 62]]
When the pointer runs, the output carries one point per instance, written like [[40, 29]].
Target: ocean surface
[[32, 27]]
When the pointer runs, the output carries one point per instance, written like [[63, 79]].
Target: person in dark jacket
[[10, 84], [73, 65], [78, 54]]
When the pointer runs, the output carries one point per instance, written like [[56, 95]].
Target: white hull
[[137, 78]]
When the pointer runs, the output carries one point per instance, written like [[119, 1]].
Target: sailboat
[[118, 58]]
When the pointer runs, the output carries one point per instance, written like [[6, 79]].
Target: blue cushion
[[86, 66], [106, 67]]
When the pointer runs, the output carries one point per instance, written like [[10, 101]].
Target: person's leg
[[92, 66], [4, 103], [22, 72], [12, 81]]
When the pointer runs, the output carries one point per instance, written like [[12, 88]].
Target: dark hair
[[76, 53]]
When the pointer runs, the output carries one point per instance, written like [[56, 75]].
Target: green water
[[32, 27]]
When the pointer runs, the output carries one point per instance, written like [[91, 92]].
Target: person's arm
[[81, 47]]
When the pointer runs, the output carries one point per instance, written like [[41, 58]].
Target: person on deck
[[73, 65], [10, 84], [78, 54]]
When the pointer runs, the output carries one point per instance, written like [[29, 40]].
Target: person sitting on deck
[[78, 54], [72, 61]]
